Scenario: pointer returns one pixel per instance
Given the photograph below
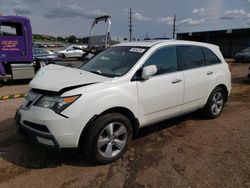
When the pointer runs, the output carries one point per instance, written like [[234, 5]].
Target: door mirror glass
[[148, 71]]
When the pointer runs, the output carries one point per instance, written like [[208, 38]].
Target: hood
[[56, 78]]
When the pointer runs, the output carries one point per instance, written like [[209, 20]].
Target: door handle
[[210, 72], [175, 81]]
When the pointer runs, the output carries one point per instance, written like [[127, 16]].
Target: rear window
[[10, 29], [210, 57], [191, 57]]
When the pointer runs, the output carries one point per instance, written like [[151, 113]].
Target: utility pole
[[147, 35], [130, 24], [174, 26]]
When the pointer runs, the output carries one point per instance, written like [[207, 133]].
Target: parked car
[[41, 54], [243, 56], [52, 45], [72, 51], [101, 106]]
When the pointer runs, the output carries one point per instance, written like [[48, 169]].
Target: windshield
[[114, 61], [65, 47]]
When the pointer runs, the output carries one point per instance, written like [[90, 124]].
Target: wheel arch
[[122, 110], [224, 87]]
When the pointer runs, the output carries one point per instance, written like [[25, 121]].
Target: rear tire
[[63, 56], [107, 138], [215, 104]]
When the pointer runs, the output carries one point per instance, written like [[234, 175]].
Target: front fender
[[95, 102]]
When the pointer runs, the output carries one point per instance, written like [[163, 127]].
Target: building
[[230, 41]]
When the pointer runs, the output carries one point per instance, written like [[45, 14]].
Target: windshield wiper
[[96, 72], [103, 74]]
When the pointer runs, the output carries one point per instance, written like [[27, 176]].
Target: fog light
[[45, 141]]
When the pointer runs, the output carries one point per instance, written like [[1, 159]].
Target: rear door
[[12, 41], [161, 96], [199, 78]]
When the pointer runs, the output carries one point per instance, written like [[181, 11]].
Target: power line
[[174, 26], [130, 24]]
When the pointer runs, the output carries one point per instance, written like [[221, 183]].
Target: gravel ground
[[184, 152]]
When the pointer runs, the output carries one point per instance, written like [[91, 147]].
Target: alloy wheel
[[217, 103], [112, 139]]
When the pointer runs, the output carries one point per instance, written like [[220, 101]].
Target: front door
[[161, 96]]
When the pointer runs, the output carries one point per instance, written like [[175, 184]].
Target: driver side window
[[165, 60], [70, 49]]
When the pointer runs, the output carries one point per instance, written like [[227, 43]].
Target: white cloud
[[191, 21], [140, 17], [94, 13], [71, 11], [22, 9], [65, 11], [168, 20], [199, 11], [231, 14]]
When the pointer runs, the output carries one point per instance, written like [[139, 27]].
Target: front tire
[[215, 103], [107, 138]]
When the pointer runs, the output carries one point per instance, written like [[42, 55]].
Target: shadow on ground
[[17, 150], [16, 82], [241, 80]]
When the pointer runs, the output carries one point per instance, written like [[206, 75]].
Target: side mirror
[[148, 71]]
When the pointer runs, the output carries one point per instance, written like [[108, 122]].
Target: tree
[[60, 39], [72, 39]]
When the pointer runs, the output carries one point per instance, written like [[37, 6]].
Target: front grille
[[36, 126]]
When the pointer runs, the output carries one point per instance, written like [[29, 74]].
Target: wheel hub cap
[[112, 139], [217, 103]]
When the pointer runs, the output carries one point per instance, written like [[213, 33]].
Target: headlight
[[58, 104]]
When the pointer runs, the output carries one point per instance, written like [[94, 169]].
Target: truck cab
[[16, 47]]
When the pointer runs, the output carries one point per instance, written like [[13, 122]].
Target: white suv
[[101, 106]]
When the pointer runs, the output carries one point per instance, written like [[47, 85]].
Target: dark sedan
[[243, 56]]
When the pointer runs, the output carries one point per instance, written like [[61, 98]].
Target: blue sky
[[67, 17]]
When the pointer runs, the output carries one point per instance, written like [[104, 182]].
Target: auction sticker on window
[[137, 50]]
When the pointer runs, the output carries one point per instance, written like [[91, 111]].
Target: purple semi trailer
[[16, 57]]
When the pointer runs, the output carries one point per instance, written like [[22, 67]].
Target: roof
[[20, 18], [166, 42], [215, 31], [147, 43]]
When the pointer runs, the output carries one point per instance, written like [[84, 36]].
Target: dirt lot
[[184, 152]]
